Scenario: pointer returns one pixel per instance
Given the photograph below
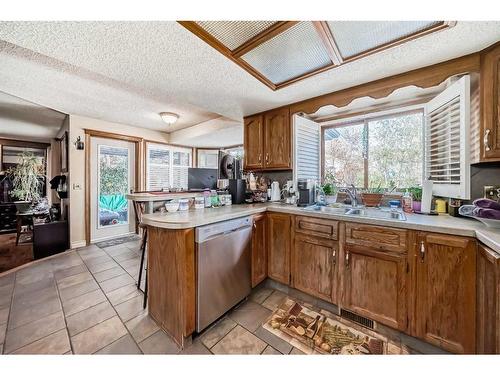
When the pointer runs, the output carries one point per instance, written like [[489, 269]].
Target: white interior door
[[112, 176]]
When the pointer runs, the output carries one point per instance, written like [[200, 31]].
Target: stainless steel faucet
[[353, 194]]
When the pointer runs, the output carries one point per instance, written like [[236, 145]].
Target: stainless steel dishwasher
[[223, 262]]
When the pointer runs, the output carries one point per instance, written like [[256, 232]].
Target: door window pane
[[113, 185]]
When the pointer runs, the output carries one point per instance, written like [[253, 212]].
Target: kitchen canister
[[228, 200], [199, 203]]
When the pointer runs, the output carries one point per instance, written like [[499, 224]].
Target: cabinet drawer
[[317, 227], [380, 238]]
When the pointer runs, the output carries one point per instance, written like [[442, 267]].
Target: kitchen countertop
[[440, 224]]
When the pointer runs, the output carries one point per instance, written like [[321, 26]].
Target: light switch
[[492, 192], [77, 187]]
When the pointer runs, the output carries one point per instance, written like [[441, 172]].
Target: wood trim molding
[[87, 189], [423, 77], [263, 37], [19, 143], [121, 137], [325, 33], [329, 41]]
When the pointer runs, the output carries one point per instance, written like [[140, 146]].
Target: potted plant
[[329, 188], [416, 193], [27, 179], [372, 196]]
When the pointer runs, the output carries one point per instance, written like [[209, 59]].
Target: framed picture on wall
[[63, 144]]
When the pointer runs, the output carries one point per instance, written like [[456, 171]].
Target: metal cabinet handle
[[260, 158], [347, 257], [334, 256], [422, 251], [486, 140], [267, 158]]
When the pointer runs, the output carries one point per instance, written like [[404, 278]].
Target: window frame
[[365, 119], [171, 148]]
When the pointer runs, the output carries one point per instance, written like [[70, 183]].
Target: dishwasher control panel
[[205, 232]]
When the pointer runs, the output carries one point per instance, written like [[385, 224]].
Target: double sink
[[375, 213]]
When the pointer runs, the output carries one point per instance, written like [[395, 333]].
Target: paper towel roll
[[426, 196]]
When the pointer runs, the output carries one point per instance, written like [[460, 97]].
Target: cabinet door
[[254, 142], [259, 256], [490, 104], [314, 266], [446, 292], [278, 242], [488, 301], [277, 139], [375, 285]]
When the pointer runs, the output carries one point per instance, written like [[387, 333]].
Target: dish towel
[[486, 209]]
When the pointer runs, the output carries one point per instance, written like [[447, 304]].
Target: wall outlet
[[77, 187], [492, 192]]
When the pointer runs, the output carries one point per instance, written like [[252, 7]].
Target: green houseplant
[[416, 193], [329, 188], [27, 179]]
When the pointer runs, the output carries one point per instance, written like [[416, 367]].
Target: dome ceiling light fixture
[[169, 118]]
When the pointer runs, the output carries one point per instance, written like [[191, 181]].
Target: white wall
[[77, 126]]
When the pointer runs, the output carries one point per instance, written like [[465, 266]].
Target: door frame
[[89, 133]]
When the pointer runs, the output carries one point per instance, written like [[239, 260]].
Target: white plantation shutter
[[167, 166], [307, 149], [447, 138]]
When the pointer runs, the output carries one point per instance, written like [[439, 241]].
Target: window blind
[[307, 140], [167, 167], [447, 141]]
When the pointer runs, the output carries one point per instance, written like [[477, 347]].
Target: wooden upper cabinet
[[490, 104], [374, 283], [277, 139], [445, 309], [259, 250], [254, 142], [278, 245], [488, 301]]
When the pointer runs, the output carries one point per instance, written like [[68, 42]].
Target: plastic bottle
[[206, 196], [407, 202]]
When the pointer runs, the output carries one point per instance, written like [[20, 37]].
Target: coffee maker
[[307, 192]]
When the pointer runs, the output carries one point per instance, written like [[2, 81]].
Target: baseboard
[[77, 244]]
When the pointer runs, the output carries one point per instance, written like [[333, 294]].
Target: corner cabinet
[[268, 141], [259, 250], [445, 307], [279, 240], [490, 104], [488, 301]]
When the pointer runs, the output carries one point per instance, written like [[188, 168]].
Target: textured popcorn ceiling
[[25, 120], [127, 72]]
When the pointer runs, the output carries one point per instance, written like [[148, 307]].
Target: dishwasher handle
[[220, 234]]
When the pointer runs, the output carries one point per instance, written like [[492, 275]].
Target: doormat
[[315, 332], [118, 241]]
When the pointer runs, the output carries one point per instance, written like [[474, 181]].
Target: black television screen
[[202, 178]]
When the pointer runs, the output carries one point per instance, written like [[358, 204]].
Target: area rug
[[118, 241], [315, 332]]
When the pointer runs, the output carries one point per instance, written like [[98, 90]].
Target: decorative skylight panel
[[297, 51], [356, 37], [234, 33]]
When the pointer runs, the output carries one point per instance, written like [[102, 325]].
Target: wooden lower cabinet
[[259, 250], [279, 240], [375, 285], [445, 307], [488, 301], [314, 266]]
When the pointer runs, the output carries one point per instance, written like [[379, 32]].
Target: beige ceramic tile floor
[[86, 301]]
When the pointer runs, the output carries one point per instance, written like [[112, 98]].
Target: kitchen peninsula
[[431, 277]]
